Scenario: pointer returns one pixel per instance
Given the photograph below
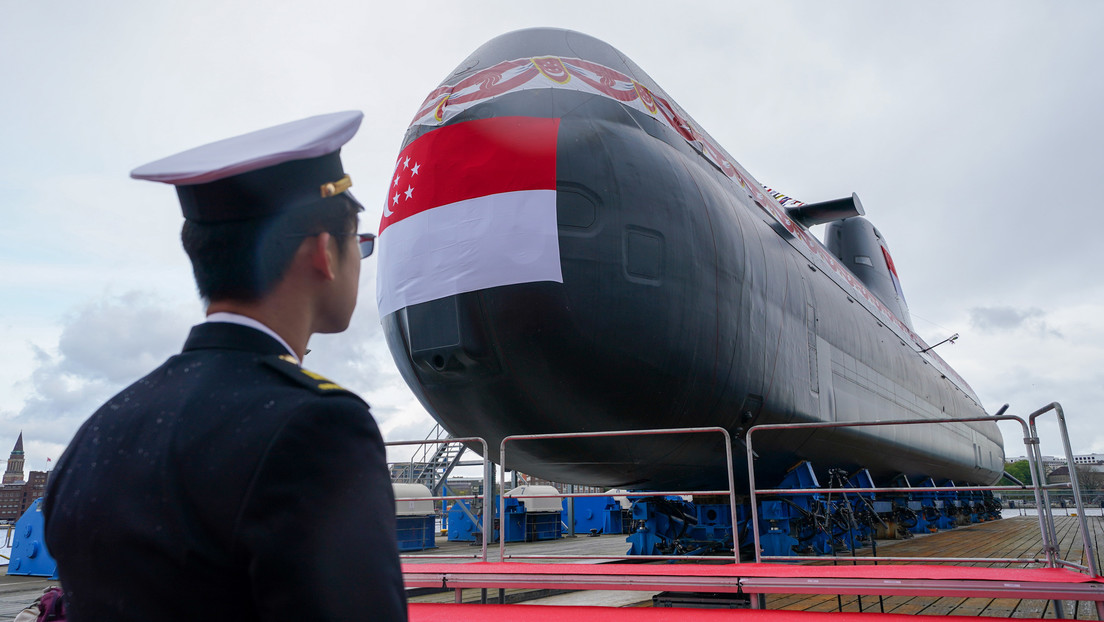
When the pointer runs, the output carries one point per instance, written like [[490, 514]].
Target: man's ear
[[323, 255]]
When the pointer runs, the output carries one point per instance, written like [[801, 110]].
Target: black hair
[[242, 261]]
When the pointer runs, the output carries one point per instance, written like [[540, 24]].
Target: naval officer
[[231, 482]]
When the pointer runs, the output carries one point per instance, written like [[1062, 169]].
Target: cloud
[[119, 339], [1007, 319], [1012, 356], [103, 346]]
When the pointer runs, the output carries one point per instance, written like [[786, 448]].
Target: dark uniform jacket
[[227, 484]]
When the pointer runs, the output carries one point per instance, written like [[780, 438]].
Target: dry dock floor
[[19, 592], [1010, 537]]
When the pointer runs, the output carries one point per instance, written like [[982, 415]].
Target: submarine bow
[[563, 249]]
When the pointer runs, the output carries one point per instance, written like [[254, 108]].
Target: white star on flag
[[395, 183], [482, 216]]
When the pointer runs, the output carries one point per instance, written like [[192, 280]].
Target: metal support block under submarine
[[790, 524], [795, 523], [671, 525], [563, 249], [525, 519]]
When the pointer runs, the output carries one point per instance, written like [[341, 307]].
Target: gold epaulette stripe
[[325, 383], [289, 366]]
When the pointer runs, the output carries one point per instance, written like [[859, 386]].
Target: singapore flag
[[471, 205]]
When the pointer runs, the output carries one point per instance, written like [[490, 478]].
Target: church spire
[[15, 463]]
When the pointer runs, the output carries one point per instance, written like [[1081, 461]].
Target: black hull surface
[[688, 299]]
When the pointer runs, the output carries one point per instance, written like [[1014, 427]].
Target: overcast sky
[[971, 131]]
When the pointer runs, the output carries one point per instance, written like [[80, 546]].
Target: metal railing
[[1031, 440], [486, 527], [1038, 485], [1040, 490], [731, 492], [432, 460]]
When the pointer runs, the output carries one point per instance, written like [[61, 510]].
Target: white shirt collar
[[241, 320]]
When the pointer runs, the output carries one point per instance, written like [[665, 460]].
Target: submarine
[[563, 249]]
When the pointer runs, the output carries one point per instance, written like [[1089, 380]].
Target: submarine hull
[[685, 299]]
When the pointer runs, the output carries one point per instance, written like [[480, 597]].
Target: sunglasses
[[367, 243]]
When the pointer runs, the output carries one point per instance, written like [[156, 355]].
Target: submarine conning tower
[[861, 247]]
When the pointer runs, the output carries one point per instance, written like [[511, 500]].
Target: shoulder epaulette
[[316, 382]]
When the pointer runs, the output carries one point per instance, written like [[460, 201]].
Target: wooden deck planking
[[1001, 607], [1029, 543], [964, 544], [1013, 537]]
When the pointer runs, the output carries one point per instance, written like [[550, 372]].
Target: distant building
[[17, 494], [536, 481], [1050, 463], [408, 472], [459, 486], [15, 463], [1090, 476]]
